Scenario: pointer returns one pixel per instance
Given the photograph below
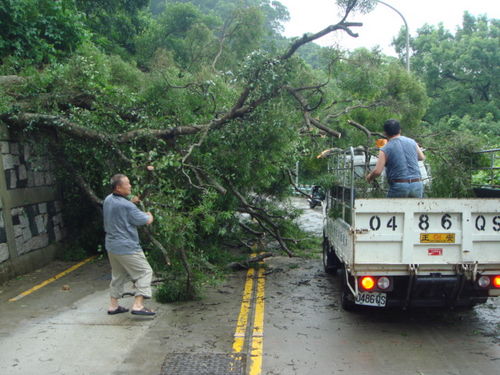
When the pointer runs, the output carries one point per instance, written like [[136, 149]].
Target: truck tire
[[330, 261], [346, 297]]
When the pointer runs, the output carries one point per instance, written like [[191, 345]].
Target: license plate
[[437, 237], [371, 299]]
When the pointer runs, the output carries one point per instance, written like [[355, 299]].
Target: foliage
[[217, 33], [460, 70], [114, 23], [362, 6], [36, 32], [182, 29], [452, 164], [368, 88]]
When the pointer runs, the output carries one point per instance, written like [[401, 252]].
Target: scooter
[[316, 197]]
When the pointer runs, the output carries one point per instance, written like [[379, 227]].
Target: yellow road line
[[257, 344], [241, 325], [52, 279]]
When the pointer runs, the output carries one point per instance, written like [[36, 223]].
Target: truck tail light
[[367, 282], [383, 283], [496, 281], [484, 281]]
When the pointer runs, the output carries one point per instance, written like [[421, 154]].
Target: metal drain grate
[[204, 364]]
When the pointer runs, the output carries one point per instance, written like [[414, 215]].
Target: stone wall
[[37, 225], [31, 224], [23, 168]]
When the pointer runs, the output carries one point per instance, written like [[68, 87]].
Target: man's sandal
[[144, 311], [118, 310]]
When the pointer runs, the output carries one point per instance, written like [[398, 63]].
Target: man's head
[[120, 184], [392, 127]]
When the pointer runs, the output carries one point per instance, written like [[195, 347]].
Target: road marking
[[252, 305], [241, 326], [257, 342], [52, 279]]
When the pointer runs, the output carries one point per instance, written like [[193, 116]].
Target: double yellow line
[[252, 306]]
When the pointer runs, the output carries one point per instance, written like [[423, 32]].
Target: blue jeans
[[406, 190]]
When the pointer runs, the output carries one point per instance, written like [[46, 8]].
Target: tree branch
[[307, 38], [367, 132], [309, 119], [290, 177], [352, 108]]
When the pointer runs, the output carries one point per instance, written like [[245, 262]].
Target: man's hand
[[150, 220], [135, 199]]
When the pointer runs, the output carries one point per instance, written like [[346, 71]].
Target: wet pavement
[[63, 328], [308, 333]]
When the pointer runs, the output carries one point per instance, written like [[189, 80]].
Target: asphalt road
[[63, 328]]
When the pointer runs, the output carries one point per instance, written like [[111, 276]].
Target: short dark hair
[[116, 180], [392, 127]]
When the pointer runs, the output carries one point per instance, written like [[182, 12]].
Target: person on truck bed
[[400, 158]]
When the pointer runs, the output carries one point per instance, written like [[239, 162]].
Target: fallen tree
[[220, 142]]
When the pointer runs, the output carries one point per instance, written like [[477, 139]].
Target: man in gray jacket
[[128, 262]]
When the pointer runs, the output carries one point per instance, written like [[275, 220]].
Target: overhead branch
[[307, 38], [325, 128], [61, 124], [365, 130]]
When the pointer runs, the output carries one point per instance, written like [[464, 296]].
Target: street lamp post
[[407, 33]]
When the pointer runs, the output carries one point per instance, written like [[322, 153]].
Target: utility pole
[[407, 33]]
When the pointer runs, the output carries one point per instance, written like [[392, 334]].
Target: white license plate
[[371, 299]]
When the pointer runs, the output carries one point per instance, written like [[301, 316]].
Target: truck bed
[[389, 236]]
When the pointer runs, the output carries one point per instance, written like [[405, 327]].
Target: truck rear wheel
[[330, 261]]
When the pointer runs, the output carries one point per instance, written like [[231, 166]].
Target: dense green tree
[[460, 70], [183, 31], [38, 31], [210, 33], [114, 23]]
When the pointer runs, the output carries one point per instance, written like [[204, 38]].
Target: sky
[[382, 24]]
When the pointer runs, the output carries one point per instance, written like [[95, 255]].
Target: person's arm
[[137, 217], [379, 167], [420, 153]]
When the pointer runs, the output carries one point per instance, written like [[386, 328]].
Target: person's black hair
[[116, 180], [392, 127]]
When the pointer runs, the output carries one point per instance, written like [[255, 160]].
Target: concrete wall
[[31, 225]]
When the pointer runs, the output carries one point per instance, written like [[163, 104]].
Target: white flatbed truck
[[410, 252]]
